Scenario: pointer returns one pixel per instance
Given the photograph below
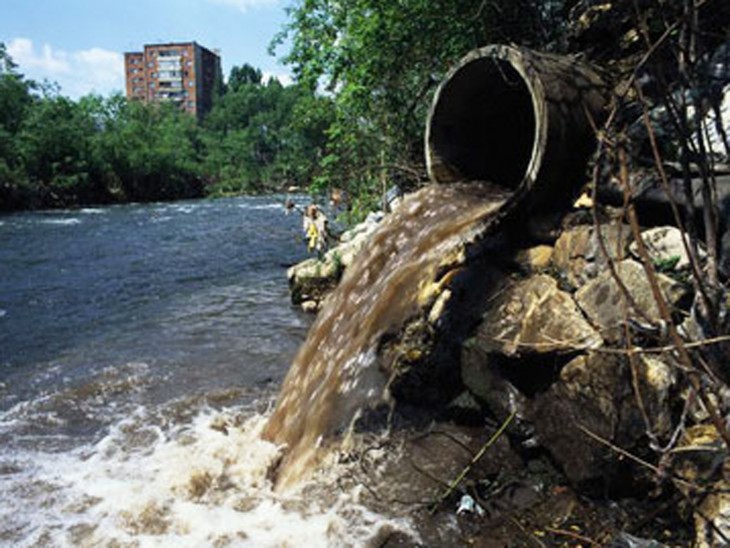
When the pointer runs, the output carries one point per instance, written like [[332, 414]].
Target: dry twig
[[454, 484]]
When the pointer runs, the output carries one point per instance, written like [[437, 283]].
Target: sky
[[80, 43]]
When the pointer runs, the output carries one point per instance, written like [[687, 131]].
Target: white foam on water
[[261, 207], [183, 208], [3, 313], [199, 484], [92, 211], [61, 222]]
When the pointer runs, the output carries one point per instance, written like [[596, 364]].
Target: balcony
[[170, 76]]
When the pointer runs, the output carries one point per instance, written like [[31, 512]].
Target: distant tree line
[[55, 152], [365, 73]]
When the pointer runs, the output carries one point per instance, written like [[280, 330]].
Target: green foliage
[[243, 75], [381, 60], [365, 71], [668, 264], [55, 152], [264, 137], [149, 152]]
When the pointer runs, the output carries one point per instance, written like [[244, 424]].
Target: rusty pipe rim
[[502, 58]]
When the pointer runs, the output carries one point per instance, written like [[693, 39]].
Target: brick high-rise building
[[184, 73]]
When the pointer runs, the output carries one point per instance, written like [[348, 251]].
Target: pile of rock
[[550, 347]]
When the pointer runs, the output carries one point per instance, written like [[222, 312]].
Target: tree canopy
[[55, 152], [380, 61]]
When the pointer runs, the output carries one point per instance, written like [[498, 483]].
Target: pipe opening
[[483, 125]]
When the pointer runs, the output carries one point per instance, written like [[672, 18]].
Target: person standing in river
[[315, 229]]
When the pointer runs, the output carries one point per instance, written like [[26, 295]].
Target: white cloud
[[244, 5], [93, 70], [24, 54], [103, 69]]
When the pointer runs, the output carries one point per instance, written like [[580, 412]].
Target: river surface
[[141, 347]]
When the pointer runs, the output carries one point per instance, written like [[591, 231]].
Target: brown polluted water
[[336, 372]]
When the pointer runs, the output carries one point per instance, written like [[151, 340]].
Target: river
[[141, 347]]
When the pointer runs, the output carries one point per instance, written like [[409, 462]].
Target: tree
[[54, 145], [263, 137], [149, 152], [243, 75], [380, 60], [55, 152], [15, 101]]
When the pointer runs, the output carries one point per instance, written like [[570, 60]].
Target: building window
[[191, 83], [150, 65], [191, 104]]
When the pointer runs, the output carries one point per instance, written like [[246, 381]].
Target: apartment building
[[184, 73]]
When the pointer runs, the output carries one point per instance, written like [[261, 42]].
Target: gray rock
[[535, 317], [313, 279], [483, 379], [603, 301], [657, 381], [664, 246], [585, 396], [595, 392], [578, 255]]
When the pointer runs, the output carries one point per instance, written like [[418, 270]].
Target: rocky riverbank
[[562, 342]]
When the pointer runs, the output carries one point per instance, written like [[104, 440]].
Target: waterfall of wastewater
[[337, 372], [522, 119]]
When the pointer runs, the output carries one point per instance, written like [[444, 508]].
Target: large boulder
[[578, 255], [533, 316], [603, 300], [595, 394]]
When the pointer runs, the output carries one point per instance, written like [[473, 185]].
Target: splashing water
[[336, 372], [200, 484]]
